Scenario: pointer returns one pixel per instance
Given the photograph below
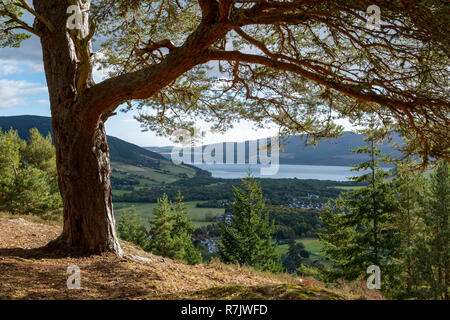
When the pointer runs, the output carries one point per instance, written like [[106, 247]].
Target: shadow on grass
[[265, 292], [38, 274], [44, 252]]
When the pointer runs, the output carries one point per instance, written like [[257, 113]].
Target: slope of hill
[[126, 158], [29, 271], [332, 152]]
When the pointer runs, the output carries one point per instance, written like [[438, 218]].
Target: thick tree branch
[[225, 7], [210, 10], [142, 84]]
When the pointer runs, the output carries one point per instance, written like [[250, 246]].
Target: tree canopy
[[298, 64]]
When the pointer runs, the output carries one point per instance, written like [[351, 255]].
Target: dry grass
[[28, 271]]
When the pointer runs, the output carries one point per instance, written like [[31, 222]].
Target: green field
[[168, 173], [348, 188], [145, 210], [310, 244]]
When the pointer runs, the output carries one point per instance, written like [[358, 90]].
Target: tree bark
[[82, 155], [84, 181]]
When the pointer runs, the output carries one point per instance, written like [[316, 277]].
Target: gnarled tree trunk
[[84, 182], [81, 147]]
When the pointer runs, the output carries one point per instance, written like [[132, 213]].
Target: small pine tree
[[172, 231], [296, 254], [130, 228], [161, 230], [247, 240], [182, 233], [10, 146], [40, 153]]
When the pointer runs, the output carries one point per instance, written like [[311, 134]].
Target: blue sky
[[23, 91]]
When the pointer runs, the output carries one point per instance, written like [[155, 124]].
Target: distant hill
[[125, 156], [332, 152]]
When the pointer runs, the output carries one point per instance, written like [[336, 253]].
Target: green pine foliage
[[171, 231], [410, 185], [247, 239], [130, 228], [182, 233], [28, 176], [432, 249], [360, 224], [161, 228]]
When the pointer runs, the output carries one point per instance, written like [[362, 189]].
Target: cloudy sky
[[23, 91]]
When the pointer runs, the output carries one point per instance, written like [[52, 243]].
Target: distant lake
[[286, 171]]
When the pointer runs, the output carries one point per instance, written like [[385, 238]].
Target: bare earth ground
[[28, 271]]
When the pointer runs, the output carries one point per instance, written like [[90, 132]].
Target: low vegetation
[[28, 177]]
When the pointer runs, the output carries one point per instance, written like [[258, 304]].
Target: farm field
[[199, 216], [348, 188], [310, 244]]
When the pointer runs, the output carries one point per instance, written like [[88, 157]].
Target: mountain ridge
[[328, 152]]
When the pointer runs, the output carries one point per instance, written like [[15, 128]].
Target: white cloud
[[9, 68], [15, 92], [42, 102]]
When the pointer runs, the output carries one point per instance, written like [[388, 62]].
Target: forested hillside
[[126, 157]]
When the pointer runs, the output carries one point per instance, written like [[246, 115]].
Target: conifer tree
[[360, 230], [293, 259], [171, 231], [182, 233], [130, 228], [40, 153], [161, 229], [410, 186], [247, 239], [10, 145], [28, 174], [433, 249]]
